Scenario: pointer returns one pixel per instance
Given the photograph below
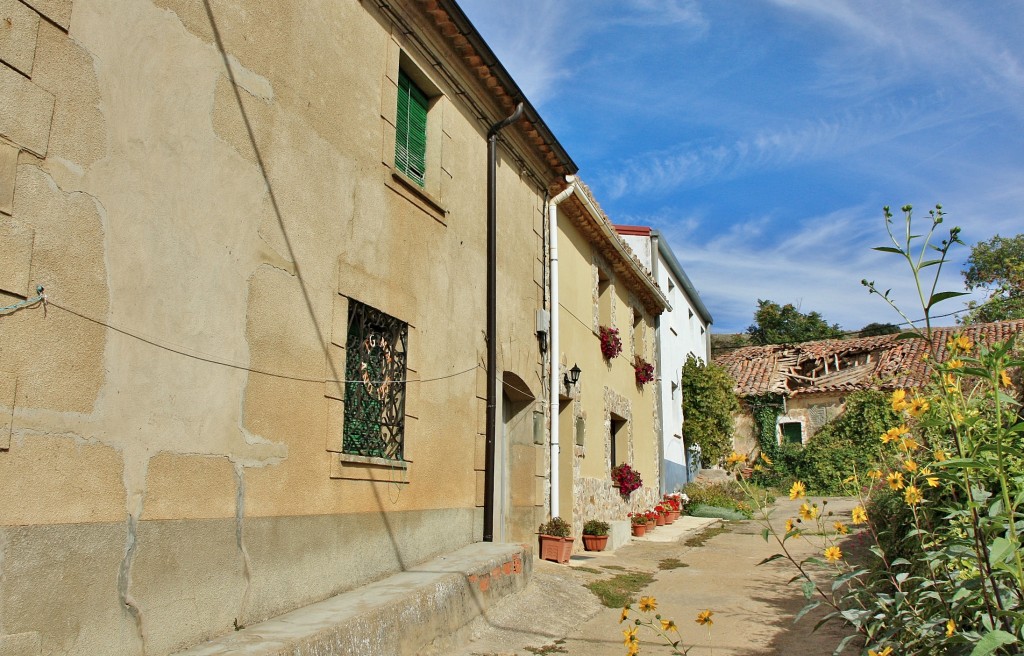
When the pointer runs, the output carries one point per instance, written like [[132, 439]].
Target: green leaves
[[992, 641]]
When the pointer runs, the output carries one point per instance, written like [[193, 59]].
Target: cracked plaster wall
[[162, 499]]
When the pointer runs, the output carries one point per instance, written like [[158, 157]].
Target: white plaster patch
[[255, 84]]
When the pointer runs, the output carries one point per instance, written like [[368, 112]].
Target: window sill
[[366, 468], [407, 187]]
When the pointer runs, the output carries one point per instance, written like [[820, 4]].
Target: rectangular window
[[792, 432], [411, 130], [375, 370]]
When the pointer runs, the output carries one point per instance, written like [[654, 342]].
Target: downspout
[[492, 317], [655, 257], [553, 347]]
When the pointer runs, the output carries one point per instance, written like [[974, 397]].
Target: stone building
[[257, 379], [606, 418]]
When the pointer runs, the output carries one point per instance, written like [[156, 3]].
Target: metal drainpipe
[[492, 316], [553, 347]]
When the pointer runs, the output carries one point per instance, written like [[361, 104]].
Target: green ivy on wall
[[766, 410]]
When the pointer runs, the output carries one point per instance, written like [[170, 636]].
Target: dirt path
[[753, 606]]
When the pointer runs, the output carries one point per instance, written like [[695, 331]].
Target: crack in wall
[[240, 542], [124, 579]]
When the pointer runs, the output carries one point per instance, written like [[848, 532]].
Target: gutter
[[656, 239]]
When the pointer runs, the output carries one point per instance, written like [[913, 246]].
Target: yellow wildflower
[[950, 382], [860, 515], [885, 652], [918, 406], [625, 615], [950, 628], [890, 435], [964, 342], [899, 400], [648, 604], [910, 466], [630, 635], [841, 528], [875, 474], [808, 511], [833, 554], [1004, 378], [735, 458], [790, 525], [668, 625], [913, 495], [941, 455], [797, 491], [704, 618], [955, 363], [764, 456], [634, 649], [895, 480]]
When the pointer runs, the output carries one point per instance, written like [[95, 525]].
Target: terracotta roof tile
[[848, 365]]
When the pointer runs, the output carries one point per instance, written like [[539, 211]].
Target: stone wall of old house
[[202, 189]]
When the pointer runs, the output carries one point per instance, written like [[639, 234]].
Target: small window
[[411, 130], [619, 441], [638, 333], [792, 432], [375, 371], [604, 298]]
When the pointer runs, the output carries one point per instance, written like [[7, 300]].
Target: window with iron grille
[[411, 130], [375, 371]]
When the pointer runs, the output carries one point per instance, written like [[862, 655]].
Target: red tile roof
[[848, 365]]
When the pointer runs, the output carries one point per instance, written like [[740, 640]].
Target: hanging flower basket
[[611, 343], [626, 479], [644, 371]]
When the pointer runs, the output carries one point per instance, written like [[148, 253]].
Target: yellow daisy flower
[[860, 515], [913, 495], [798, 491], [704, 618], [950, 628], [808, 511], [764, 456], [668, 625], [875, 474], [625, 615], [1004, 378], [634, 649], [910, 466], [833, 554], [885, 652], [648, 604], [895, 480], [918, 407], [941, 455], [630, 635], [899, 400], [841, 528], [964, 342], [734, 458], [955, 363], [908, 443]]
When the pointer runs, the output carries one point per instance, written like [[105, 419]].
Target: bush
[[708, 404], [596, 527], [556, 527], [729, 495]]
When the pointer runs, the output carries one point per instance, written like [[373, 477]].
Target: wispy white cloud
[[662, 13]]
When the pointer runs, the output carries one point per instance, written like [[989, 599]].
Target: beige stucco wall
[[811, 411], [174, 472], [605, 387]]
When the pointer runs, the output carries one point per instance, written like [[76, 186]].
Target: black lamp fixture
[[572, 376]]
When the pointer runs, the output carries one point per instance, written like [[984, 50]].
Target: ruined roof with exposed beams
[[848, 365]]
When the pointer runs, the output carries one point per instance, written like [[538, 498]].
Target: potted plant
[[672, 501], [659, 515], [595, 535], [611, 343], [555, 540], [626, 479], [652, 519], [644, 371], [638, 522]]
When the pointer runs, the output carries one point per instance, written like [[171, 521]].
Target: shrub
[[708, 404], [596, 527], [557, 527]]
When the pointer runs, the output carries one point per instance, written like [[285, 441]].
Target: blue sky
[[763, 137]]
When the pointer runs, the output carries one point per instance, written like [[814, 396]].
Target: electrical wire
[[231, 365]]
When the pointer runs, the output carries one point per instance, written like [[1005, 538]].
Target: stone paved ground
[[754, 605]]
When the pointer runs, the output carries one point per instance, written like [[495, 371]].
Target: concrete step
[[428, 607]]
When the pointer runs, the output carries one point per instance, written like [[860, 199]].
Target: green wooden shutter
[[411, 130]]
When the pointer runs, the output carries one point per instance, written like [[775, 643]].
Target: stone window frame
[[621, 406]]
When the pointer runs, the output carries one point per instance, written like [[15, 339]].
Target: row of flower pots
[[556, 539]]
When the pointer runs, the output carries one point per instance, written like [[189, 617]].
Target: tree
[[997, 267], [874, 329], [785, 324], [708, 404]]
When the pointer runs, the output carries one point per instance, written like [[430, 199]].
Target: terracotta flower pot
[[555, 548], [660, 521], [595, 542], [639, 530], [674, 515], [651, 524]]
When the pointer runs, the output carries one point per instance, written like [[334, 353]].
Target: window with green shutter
[[411, 130]]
